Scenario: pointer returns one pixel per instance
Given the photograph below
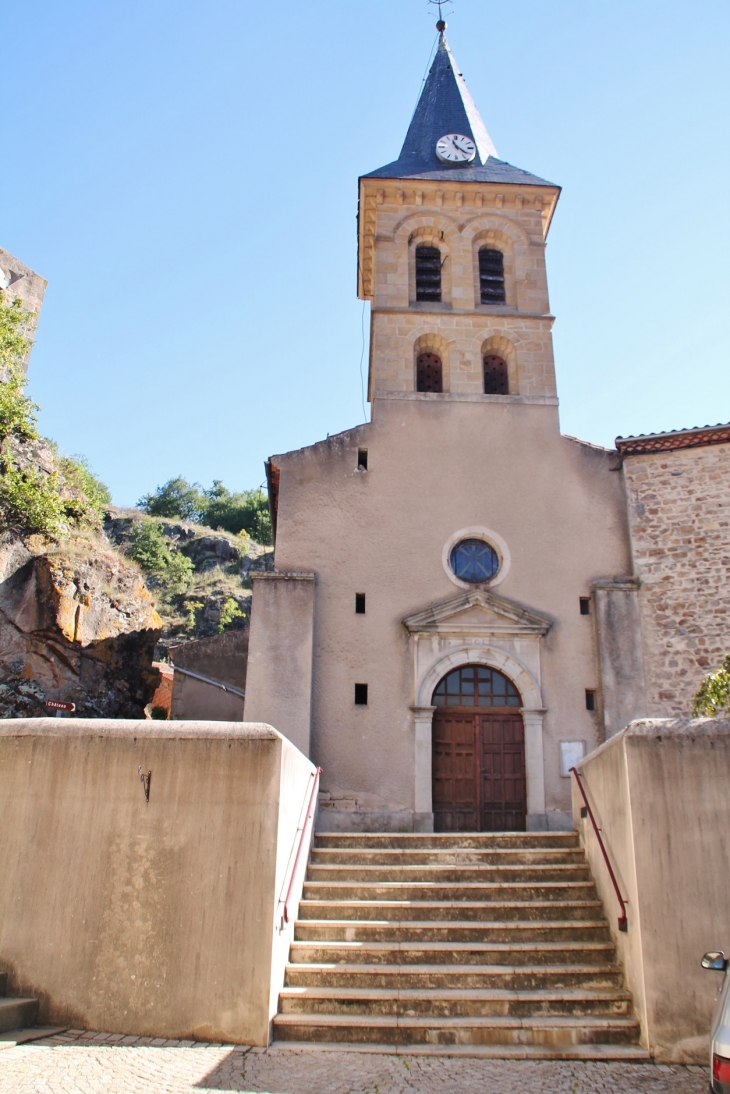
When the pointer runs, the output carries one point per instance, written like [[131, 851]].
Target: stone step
[[401, 1030], [629, 1054], [442, 875], [460, 840], [455, 953], [424, 890], [456, 1003], [404, 977], [449, 910], [333, 930], [16, 1013], [498, 856]]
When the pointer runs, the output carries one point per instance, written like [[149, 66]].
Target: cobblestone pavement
[[87, 1063]]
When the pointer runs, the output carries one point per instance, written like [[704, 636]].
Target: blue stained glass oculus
[[474, 560]]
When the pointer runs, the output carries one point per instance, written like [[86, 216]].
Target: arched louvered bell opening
[[491, 276], [429, 373], [496, 380], [428, 274]]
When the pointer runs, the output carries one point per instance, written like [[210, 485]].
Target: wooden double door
[[479, 770]]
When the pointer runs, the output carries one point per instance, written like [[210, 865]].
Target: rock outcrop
[[77, 623], [222, 564]]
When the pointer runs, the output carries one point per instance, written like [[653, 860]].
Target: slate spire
[[446, 106]]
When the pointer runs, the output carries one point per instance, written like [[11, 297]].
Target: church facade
[[466, 601]]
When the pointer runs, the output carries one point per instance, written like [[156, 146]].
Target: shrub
[[30, 500], [713, 696], [34, 499], [192, 607], [15, 340], [230, 612], [149, 548], [17, 411], [76, 470]]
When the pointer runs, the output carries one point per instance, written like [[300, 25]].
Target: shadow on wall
[[210, 678]]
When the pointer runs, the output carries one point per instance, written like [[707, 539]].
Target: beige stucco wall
[[436, 467], [659, 792], [279, 674], [679, 511], [620, 653], [157, 919]]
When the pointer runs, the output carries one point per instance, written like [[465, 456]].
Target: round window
[[474, 560]]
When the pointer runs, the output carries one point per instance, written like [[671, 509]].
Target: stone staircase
[[474, 944], [15, 1013]]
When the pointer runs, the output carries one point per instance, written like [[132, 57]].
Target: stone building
[[465, 600]]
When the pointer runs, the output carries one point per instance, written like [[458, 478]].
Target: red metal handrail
[[623, 924], [305, 825]]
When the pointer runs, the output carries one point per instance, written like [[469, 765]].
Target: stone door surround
[[478, 627]]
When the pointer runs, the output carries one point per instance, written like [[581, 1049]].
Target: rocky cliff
[[219, 578], [77, 623]]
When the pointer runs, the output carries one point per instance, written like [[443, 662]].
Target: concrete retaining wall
[[660, 792], [160, 918]]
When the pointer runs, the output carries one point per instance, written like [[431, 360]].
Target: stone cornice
[[466, 397], [478, 312]]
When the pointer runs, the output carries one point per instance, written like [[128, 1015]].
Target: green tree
[[247, 511], [176, 499], [713, 696]]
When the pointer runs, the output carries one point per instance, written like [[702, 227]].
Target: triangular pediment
[[475, 611]]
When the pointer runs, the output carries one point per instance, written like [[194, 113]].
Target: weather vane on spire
[[440, 4]]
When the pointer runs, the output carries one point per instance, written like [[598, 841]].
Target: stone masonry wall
[[679, 514]]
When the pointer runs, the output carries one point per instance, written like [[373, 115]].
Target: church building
[[466, 601]]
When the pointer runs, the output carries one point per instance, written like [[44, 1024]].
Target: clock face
[[456, 148]]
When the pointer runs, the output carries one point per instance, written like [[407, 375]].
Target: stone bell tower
[[452, 255]]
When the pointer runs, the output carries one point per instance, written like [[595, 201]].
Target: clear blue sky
[[184, 174]]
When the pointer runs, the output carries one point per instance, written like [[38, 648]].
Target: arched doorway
[[478, 753]]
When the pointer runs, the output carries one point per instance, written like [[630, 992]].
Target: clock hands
[[461, 147]]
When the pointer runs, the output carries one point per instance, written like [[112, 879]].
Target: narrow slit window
[[361, 695], [428, 274], [496, 379], [360, 603], [590, 699], [491, 276], [429, 373], [585, 605], [362, 459]]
